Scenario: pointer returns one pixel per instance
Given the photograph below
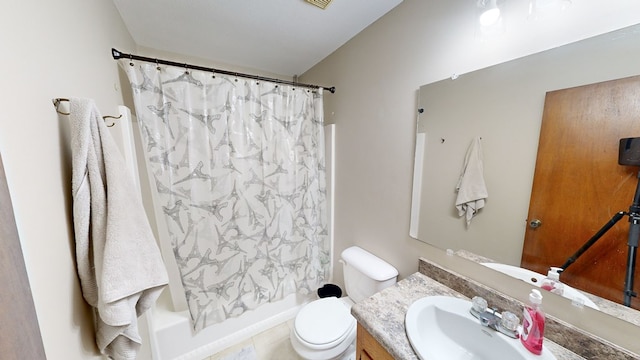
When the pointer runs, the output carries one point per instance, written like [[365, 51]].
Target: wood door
[[578, 185], [19, 330]]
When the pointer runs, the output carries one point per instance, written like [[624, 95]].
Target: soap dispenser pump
[[552, 281]]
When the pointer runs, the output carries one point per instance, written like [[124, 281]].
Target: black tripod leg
[[593, 239], [634, 231], [634, 235]]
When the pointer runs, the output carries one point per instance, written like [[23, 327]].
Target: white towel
[[119, 264], [471, 187]]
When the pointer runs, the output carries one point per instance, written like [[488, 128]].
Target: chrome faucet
[[505, 323]]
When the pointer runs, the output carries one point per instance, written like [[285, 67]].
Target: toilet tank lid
[[369, 264]]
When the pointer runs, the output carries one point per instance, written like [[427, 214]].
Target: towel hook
[[111, 117], [56, 103]]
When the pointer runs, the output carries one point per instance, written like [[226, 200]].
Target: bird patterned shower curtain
[[239, 170]]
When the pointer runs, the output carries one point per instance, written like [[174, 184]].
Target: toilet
[[324, 329]]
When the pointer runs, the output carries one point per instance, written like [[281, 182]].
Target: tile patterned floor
[[272, 344]]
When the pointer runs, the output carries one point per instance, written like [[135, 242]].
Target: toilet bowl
[[324, 329]]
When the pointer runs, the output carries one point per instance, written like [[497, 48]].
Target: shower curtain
[[239, 170]]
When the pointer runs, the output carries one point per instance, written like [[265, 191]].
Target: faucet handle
[[479, 304], [510, 321]]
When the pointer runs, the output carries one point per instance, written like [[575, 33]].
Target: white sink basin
[[535, 279], [441, 328]]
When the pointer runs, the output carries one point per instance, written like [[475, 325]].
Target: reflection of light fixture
[[544, 8], [489, 12]]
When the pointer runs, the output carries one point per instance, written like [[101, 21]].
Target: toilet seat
[[324, 323]]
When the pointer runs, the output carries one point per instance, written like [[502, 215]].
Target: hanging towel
[[119, 264], [471, 187]]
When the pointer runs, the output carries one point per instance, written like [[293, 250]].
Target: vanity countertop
[[383, 315]]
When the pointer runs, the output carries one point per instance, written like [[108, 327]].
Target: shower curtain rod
[[119, 55]]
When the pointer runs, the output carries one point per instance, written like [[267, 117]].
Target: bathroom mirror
[[503, 105]]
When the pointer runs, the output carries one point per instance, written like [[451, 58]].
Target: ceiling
[[284, 37]]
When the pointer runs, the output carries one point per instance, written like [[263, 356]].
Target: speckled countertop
[[383, 315]]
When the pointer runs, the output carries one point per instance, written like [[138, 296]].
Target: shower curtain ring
[[186, 69], [157, 65], [131, 60]]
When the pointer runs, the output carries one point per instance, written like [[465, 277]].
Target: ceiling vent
[[322, 4]]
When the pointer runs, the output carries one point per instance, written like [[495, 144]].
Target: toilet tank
[[365, 274]]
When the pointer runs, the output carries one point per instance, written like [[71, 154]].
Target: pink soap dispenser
[[533, 323]]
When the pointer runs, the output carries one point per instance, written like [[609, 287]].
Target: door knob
[[535, 223]]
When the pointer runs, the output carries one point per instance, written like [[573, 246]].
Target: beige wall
[[377, 75], [53, 49]]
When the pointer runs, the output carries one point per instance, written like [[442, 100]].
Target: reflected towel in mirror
[[471, 188]]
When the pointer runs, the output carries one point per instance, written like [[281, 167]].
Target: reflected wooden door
[[578, 185]]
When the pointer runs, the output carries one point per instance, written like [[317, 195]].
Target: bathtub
[[171, 336]]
